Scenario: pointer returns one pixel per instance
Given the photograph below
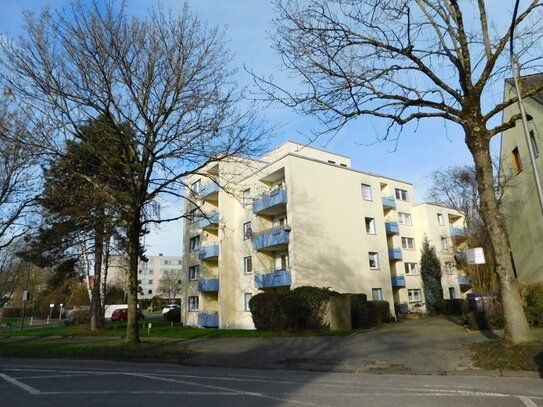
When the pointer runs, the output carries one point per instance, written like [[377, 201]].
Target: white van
[[108, 309]]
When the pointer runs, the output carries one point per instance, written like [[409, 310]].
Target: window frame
[[535, 147], [445, 243], [246, 299], [245, 230], [373, 256], [194, 272], [517, 162], [408, 243], [380, 295], [405, 218], [411, 292], [441, 219], [248, 261], [370, 226], [409, 270], [196, 186], [366, 188], [193, 303], [194, 243], [401, 194]]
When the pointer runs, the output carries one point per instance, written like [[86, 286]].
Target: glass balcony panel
[[209, 285], [209, 252], [208, 320], [395, 254], [276, 278], [392, 228], [389, 202], [271, 238], [270, 200], [398, 281]]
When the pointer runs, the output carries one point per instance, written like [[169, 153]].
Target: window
[[411, 268], [247, 265], [414, 295], [404, 218], [516, 160], [195, 187], [535, 147], [246, 197], [377, 294], [147, 292], [366, 192], [246, 299], [194, 216], [444, 243], [194, 272], [408, 243], [194, 243], [247, 231], [449, 268], [194, 303], [374, 260], [147, 282], [452, 293], [440, 219], [370, 226], [401, 194], [146, 272]]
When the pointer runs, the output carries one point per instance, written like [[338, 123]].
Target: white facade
[[298, 216]]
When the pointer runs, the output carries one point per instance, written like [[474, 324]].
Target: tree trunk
[[133, 232], [97, 317], [517, 329]]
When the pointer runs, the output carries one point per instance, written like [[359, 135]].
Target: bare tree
[[456, 187], [162, 83], [409, 60], [170, 283]]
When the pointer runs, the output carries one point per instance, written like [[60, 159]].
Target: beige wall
[[520, 203]]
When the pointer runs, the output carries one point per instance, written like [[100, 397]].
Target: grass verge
[[502, 355], [160, 329]]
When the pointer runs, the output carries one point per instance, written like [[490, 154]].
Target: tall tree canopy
[[161, 81], [410, 60]]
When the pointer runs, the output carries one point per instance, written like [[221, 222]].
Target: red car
[[122, 315]]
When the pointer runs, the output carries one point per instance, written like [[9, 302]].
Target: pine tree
[[430, 270]]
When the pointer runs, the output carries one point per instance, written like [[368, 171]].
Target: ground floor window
[[377, 294], [194, 303], [414, 295], [246, 298], [452, 293]]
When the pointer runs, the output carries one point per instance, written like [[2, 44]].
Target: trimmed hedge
[[533, 304], [452, 307], [304, 308]]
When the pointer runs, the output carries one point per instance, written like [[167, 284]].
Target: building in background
[[520, 203], [150, 273], [302, 216]]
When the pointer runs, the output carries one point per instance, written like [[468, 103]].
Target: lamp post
[[516, 78]]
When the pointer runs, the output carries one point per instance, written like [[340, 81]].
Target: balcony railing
[[464, 280], [271, 238], [208, 320], [269, 201], [402, 308], [209, 252], [208, 286], [398, 281], [210, 190], [276, 278], [395, 254], [458, 232], [392, 228], [389, 202], [209, 221]]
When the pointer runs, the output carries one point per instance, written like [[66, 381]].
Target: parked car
[[169, 307], [121, 314]]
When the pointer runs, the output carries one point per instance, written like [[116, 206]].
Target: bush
[[360, 311], [379, 312], [173, 315], [451, 307], [301, 308], [533, 304]]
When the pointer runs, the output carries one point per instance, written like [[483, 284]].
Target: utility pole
[[26, 295]]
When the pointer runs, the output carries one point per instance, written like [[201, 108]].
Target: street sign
[[475, 256]]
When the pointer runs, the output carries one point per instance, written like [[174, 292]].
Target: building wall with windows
[[520, 203], [149, 273], [298, 216], [445, 231]]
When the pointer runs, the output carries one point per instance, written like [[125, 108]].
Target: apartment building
[[520, 203], [297, 216], [149, 273]]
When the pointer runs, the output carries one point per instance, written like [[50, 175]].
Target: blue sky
[[418, 152]]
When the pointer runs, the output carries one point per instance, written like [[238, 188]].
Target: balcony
[[277, 278], [464, 281], [209, 252], [208, 286], [395, 254], [392, 228], [210, 191], [209, 221], [272, 239], [389, 202], [270, 203], [208, 320], [458, 233], [398, 281], [402, 308]]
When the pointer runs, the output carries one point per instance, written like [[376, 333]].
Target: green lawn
[[504, 356], [159, 329]]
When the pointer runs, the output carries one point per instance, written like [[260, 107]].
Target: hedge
[[452, 307]]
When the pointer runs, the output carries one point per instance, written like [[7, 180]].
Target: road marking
[[528, 402], [19, 384], [233, 391]]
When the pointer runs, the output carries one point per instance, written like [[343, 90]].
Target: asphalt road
[[95, 383]]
